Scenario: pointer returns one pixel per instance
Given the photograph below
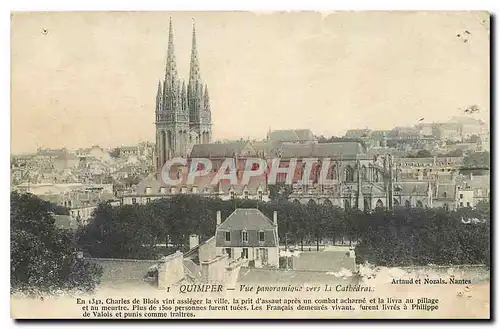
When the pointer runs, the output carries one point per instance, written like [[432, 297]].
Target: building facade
[[248, 234]]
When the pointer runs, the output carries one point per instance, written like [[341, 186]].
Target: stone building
[[183, 115], [249, 234]]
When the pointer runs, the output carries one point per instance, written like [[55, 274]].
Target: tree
[[423, 154], [477, 160], [115, 153], [42, 256]]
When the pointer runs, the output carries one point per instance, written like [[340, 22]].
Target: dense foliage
[[426, 236], [42, 256], [399, 237]]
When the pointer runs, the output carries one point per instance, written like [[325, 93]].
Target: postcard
[[248, 165]]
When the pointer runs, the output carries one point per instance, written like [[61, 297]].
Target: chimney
[[194, 240], [219, 221], [275, 218]]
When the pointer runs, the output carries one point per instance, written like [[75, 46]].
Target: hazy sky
[[92, 78]]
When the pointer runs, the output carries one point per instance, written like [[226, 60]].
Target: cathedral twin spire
[[175, 101]]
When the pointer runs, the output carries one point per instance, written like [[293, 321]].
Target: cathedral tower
[[182, 113], [200, 120]]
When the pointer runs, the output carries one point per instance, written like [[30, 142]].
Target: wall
[[207, 250], [170, 270], [214, 270]]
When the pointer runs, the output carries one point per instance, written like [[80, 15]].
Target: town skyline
[[306, 57]]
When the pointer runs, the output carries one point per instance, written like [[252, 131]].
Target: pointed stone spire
[[159, 101], [171, 66], [184, 105], [194, 69], [206, 100]]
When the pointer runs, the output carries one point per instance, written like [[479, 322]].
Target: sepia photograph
[[250, 165]]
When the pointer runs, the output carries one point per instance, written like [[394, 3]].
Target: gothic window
[[328, 203], [347, 204], [379, 204], [349, 174], [367, 204], [331, 172], [420, 204], [296, 201], [395, 202], [364, 173], [407, 204], [311, 203]]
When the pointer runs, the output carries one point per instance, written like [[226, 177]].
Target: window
[[163, 190], [260, 195], [445, 206], [444, 194], [244, 236], [232, 194], [261, 236], [461, 204], [468, 204], [148, 200], [134, 200], [228, 236], [228, 251], [148, 190], [461, 196], [246, 195], [244, 253]]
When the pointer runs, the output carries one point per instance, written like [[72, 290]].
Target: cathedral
[[183, 115]]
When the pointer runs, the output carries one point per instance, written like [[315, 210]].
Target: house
[[249, 234]]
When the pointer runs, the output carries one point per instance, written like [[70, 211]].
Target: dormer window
[[148, 190], [231, 194], [244, 236], [172, 190], [183, 190], [246, 194], [195, 189], [163, 190], [260, 195]]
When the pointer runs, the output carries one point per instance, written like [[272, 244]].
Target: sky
[[80, 79]]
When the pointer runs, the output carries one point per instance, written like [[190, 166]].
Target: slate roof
[[321, 150], [247, 218], [222, 150], [291, 135], [202, 184], [269, 148], [416, 188], [356, 133]]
